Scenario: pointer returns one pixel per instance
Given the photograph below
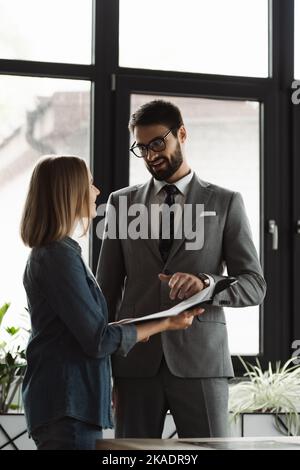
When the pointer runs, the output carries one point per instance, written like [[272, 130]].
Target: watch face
[[205, 280]]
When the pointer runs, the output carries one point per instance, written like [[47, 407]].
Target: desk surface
[[233, 443]]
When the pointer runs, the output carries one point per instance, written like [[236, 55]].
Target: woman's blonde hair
[[59, 192]]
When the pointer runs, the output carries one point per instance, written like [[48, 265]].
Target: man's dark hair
[[157, 112]]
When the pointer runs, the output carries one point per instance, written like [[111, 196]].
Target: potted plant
[[269, 399], [13, 342]]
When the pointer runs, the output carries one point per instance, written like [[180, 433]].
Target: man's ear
[[182, 134]]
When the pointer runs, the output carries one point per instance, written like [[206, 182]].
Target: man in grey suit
[[185, 371]]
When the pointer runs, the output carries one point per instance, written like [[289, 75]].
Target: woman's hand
[[183, 320], [145, 339], [179, 322]]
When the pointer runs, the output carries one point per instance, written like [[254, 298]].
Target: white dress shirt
[[158, 196]]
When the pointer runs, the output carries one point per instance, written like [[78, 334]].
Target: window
[[215, 37], [222, 148], [45, 108], [48, 30], [38, 116]]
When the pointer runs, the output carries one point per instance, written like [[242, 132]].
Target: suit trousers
[[199, 406]]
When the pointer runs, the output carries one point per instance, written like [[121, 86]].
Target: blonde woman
[[66, 389]]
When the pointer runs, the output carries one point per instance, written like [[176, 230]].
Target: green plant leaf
[[3, 311], [13, 362], [12, 330]]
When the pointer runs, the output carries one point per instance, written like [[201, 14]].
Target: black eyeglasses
[[156, 145]]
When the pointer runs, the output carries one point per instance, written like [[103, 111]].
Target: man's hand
[[182, 285]]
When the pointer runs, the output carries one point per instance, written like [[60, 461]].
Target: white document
[[200, 297]]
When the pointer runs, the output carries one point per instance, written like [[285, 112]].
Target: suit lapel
[[199, 193]]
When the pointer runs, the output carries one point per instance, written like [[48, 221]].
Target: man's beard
[[170, 166]]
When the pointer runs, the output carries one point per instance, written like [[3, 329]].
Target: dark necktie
[[165, 244]]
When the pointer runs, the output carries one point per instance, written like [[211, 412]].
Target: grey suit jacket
[[128, 275]]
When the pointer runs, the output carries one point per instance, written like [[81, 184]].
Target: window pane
[[223, 148], [37, 116], [297, 39], [216, 36], [48, 30]]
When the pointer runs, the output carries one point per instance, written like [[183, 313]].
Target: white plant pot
[[258, 425], [13, 433]]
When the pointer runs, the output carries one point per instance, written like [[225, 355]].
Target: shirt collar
[[181, 185], [72, 243]]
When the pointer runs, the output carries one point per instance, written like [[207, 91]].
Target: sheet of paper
[[202, 296]]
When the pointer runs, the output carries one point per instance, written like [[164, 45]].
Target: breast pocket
[[212, 233], [210, 219]]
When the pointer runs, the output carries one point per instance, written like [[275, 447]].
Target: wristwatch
[[205, 279]]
